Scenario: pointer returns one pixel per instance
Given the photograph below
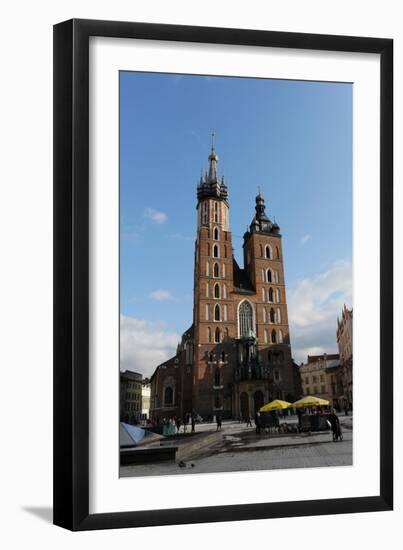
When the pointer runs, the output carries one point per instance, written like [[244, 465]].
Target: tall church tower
[[214, 323]]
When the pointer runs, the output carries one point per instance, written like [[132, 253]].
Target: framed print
[[223, 257]]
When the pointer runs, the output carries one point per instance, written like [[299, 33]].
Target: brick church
[[236, 356]]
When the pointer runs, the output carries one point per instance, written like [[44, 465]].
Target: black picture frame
[[72, 285]]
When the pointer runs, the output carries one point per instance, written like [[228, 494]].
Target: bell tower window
[[216, 212], [215, 251], [269, 276], [216, 233]]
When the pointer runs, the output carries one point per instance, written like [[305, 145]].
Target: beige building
[[145, 399], [321, 377], [345, 343], [131, 387]]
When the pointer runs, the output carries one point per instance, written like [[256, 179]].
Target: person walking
[[218, 421], [335, 425], [248, 421], [257, 422], [193, 420]]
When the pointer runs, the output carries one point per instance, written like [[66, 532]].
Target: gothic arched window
[[168, 396], [271, 294], [217, 336], [216, 290], [272, 316], [269, 276], [216, 233], [273, 336], [245, 319], [217, 313], [269, 254], [215, 251], [216, 212], [216, 271]]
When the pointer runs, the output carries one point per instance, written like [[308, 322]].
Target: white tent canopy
[[130, 436]]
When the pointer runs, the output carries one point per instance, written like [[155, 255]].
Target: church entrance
[[244, 402], [258, 400]]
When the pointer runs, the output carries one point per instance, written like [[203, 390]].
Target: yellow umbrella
[[275, 405], [310, 401]]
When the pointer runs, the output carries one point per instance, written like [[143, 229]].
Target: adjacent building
[[131, 387], [345, 344], [145, 399], [236, 355], [321, 376]]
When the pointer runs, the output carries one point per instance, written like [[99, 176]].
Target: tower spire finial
[[213, 158]]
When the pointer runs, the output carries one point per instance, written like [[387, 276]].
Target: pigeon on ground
[[181, 464]]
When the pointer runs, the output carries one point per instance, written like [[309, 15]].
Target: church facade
[[236, 356]]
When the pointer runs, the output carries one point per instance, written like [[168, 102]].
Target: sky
[[291, 139]]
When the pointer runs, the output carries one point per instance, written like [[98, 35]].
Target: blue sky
[[293, 139]]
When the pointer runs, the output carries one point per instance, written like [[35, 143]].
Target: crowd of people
[[262, 422]]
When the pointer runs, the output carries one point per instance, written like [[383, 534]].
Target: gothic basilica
[[236, 356]]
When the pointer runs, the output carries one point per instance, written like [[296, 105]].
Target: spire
[[213, 158], [211, 185]]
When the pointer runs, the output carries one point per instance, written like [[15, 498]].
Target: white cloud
[[161, 294], [305, 239], [144, 345], [313, 307], [155, 215]]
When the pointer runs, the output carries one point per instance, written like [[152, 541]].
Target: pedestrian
[[299, 414], [218, 421], [334, 424], [193, 420], [178, 424], [248, 421], [257, 422]]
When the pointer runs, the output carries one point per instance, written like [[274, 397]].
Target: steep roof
[[241, 280]]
